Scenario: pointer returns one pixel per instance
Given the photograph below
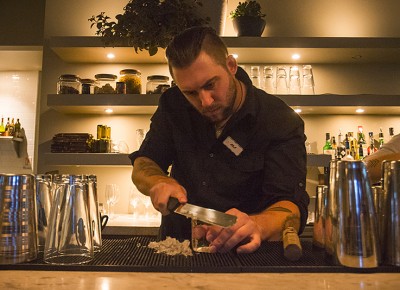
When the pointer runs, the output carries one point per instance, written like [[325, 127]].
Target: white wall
[[360, 18], [18, 99]]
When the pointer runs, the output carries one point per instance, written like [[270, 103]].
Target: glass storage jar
[[88, 86], [157, 84], [69, 84], [106, 83], [132, 80]]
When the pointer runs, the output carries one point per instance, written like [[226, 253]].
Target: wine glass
[[112, 197]]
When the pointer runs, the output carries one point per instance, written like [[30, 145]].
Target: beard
[[223, 111]]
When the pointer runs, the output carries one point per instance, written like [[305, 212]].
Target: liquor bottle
[[11, 128], [2, 128], [7, 128], [371, 147], [17, 130], [353, 152], [327, 149], [348, 155], [361, 141], [381, 140], [360, 155], [334, 146], [391, 132], [341, 149], [352, 140]]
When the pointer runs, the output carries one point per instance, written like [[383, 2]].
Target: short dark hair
[[186, 47]]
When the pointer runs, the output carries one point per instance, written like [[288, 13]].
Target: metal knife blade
[[203, 214]]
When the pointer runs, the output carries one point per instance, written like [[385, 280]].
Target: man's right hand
[[163, 190]]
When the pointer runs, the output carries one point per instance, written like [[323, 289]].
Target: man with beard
[[231, 147]]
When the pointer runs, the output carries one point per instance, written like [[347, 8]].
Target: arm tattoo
[[279, 208], [373, 163]]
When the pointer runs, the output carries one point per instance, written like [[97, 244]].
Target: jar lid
[[130, 72], [157, 77], [106, 76], [87, 81], [69, 77]]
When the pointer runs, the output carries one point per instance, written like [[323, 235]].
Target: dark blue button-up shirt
[[271, 166]]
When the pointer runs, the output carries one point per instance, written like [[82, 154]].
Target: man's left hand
[[245, 235]]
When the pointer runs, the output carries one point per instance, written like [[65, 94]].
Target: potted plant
[[247, 18], [148, 24]]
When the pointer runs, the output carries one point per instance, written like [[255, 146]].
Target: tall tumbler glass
[[294, 80], [94, 214], [18, 227], [391, 181], [69, 240], [308, 80], [281, 87], [268, 79], [44, 198], [255, 75], [356, 237]]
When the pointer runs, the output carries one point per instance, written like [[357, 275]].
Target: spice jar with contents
[[69, 84], [106, 83], [132, 80], [157, 84], [88, 86]]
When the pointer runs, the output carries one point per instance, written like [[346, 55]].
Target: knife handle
[[173, 204]]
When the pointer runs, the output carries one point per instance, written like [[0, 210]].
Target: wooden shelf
[[147, 104], [96, 104], [88, 49], [87, 159]]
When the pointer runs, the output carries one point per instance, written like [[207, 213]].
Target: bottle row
[[129, 82], [10, 128], [354, 147]]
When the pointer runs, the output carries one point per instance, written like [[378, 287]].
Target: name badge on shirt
[[233, 146]]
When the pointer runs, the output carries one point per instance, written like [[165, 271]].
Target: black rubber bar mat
[[131, 254]]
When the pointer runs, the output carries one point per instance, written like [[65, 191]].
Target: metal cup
[[319, 222], [69, 240], [356, 235], [44, 200], [331, 210], [18, 227], [391, 189], [379, 198]]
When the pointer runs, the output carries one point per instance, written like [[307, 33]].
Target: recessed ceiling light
[[298, 111], [110, 55], [235, 55], [15, 77], [295, 56], [108, 110], [360, 110]]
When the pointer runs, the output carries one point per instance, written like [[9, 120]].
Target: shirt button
[[204, 183], [301, 184], [211, 155]]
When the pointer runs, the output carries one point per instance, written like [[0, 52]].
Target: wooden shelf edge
[[87, 159]]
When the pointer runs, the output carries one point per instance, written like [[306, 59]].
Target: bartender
[[230, 146]]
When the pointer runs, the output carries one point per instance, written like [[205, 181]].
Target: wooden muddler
[[291, 244]]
